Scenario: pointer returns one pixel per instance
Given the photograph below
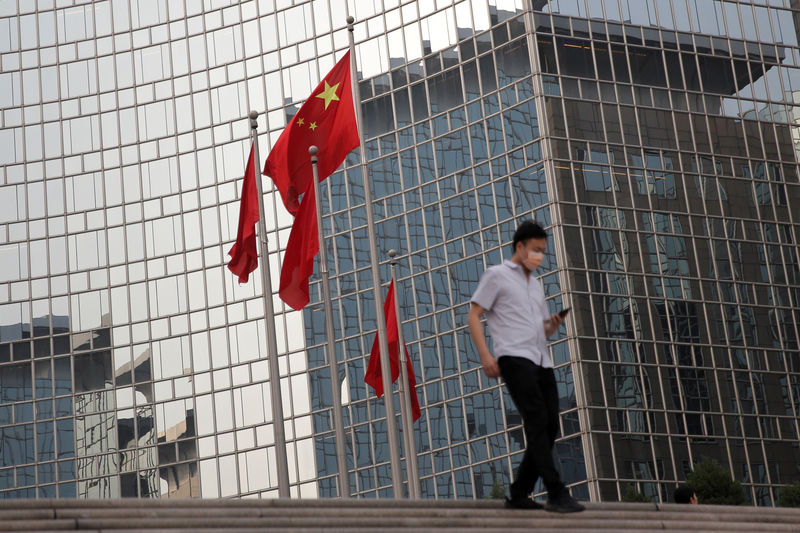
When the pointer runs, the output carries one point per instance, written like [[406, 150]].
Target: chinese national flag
[[298, 261], [244, 258], [373, 374], [328, 120]]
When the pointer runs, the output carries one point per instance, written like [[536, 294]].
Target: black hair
[[683, 494], [527, 230]]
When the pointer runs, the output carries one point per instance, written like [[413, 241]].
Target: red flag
[[244, 258], [298, 261], [373, 374], [328, 120]]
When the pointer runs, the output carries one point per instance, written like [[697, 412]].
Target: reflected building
[[657, 141], [675, 171]]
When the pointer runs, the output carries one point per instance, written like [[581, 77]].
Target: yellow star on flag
[[312, 126], [300, 121], [329, 94]]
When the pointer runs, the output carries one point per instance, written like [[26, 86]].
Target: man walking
[[516, 312]]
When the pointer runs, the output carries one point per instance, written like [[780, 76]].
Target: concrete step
[[357, 516]]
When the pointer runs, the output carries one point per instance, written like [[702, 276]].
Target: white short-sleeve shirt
[[515, 311]]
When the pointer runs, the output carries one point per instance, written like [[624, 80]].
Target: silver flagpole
[[404, 388], [269, 320], [386, 371], [338, 423]]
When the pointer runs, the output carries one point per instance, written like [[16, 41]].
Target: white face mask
[[533, 260]]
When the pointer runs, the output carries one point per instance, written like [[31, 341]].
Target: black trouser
[[535, 394]]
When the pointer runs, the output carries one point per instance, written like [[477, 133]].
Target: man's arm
[[488, 361]]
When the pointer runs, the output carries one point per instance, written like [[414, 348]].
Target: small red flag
[[373, 375], [244, 258], [328, 120], [298, 261]]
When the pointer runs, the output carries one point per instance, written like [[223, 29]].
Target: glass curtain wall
[[131, 362], [671, 126], [454, 157]]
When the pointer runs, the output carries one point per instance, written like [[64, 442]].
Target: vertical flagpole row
[[404, 386], [338, 423], [386, 372], [269, 320]]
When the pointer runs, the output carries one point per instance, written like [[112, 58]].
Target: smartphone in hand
[[564, 312]]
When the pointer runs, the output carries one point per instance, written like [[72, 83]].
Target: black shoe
[[522, 503], [564, 503]]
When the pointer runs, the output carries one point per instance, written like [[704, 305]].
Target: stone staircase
[[357, 516]]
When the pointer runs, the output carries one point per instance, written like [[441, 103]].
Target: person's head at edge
[[685, 494], [529, 244]]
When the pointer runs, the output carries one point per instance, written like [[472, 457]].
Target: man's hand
[[551, 326], [488, 361], [490, 367]]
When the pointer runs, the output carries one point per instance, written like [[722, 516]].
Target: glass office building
[[657, 140]]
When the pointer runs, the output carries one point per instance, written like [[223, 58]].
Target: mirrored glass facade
[[673, 134], [657, 140]]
